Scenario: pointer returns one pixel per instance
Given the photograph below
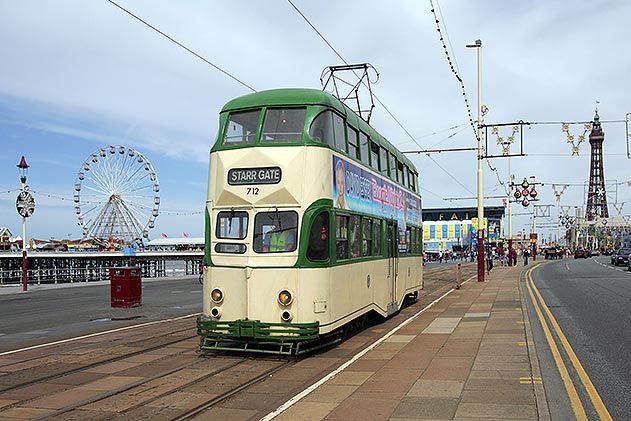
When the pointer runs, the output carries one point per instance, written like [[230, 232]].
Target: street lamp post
[[23, 170], [480, 175]]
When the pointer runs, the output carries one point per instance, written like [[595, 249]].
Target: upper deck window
[[383, 161], [364, 148], [241, 127], [374, 156], [338, 130], [353, 147], [321, 129], [283, 125]]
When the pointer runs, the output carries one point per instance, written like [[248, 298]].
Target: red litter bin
[[125, 287]]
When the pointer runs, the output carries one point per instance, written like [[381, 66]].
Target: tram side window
[[401, 173], [353, 147], [232, 225], [383, 159], [275, 232], [412, 179], [341, 237], [318, 249], [354, 240], [367, 237], [399, 169], [283, 125], [376, 238], [393, 166], [321, 129], [375, 162], [338, 131], [364, 147], [241, 127]]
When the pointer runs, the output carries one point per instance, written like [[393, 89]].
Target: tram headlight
[[216, 295], [285, 297]]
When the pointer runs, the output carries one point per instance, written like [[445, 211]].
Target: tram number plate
[[251, 176], [254, 191]]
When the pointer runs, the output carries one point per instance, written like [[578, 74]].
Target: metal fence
[[73, 268]]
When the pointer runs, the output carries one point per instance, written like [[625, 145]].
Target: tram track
[[161, 376], [230, 393], [96, 363]]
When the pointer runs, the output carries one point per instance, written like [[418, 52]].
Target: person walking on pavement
[[489, 259], [526, 254]]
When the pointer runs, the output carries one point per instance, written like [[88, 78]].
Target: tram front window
[[241, 127], [283, 125], [232, 225], [275, 232]]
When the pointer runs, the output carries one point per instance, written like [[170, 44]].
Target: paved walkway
[[470, 356]]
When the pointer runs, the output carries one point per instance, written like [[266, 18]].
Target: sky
[[77, 76]]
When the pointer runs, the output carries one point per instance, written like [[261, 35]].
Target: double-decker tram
[[313, 220]]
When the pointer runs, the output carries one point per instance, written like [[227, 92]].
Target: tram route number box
[[125, 287]]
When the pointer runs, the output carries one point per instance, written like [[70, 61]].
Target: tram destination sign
[[252, 176], [25, 204]]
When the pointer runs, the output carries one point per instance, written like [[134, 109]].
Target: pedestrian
[[526, 254], [489, 261]]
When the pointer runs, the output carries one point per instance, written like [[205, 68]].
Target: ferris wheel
[[116, 196]]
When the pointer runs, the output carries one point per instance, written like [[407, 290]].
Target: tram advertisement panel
[[358, 190]]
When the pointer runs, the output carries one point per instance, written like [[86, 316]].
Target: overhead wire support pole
[[480, 172]]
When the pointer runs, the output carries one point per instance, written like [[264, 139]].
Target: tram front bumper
[[254, 329]]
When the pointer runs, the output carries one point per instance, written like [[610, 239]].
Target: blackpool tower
[[596, 194]]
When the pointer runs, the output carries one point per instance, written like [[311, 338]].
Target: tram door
[[393, 265]]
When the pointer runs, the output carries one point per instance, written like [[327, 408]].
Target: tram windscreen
[[283, 125], [241, 127], [232, 225], [275, 232]]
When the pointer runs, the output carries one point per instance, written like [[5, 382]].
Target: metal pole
[[510, 214], [24, 255], [558, 220], [480, 174], [534, 230]]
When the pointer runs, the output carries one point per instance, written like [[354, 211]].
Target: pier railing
[[89, 267]]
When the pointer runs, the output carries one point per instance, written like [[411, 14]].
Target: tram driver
[[278, 239]]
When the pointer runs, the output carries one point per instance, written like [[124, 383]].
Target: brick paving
[[466, 358]]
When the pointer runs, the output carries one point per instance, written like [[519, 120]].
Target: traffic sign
[[25, 204]]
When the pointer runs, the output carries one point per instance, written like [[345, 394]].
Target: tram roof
[[309, 96]]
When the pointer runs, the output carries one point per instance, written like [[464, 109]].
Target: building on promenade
[[599, 233], [454, 229]]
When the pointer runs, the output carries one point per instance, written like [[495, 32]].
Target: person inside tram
[[278, 239]]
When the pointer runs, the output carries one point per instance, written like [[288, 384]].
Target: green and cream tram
[[313, 220]]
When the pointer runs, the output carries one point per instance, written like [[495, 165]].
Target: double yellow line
[[575, 401]]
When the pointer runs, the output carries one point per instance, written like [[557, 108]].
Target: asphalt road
[[45, 315], [591, 300]]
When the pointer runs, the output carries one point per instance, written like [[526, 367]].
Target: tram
[[313, 220]]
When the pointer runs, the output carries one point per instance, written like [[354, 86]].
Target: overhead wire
[[453, 66], [179, 44], [407, 132]]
